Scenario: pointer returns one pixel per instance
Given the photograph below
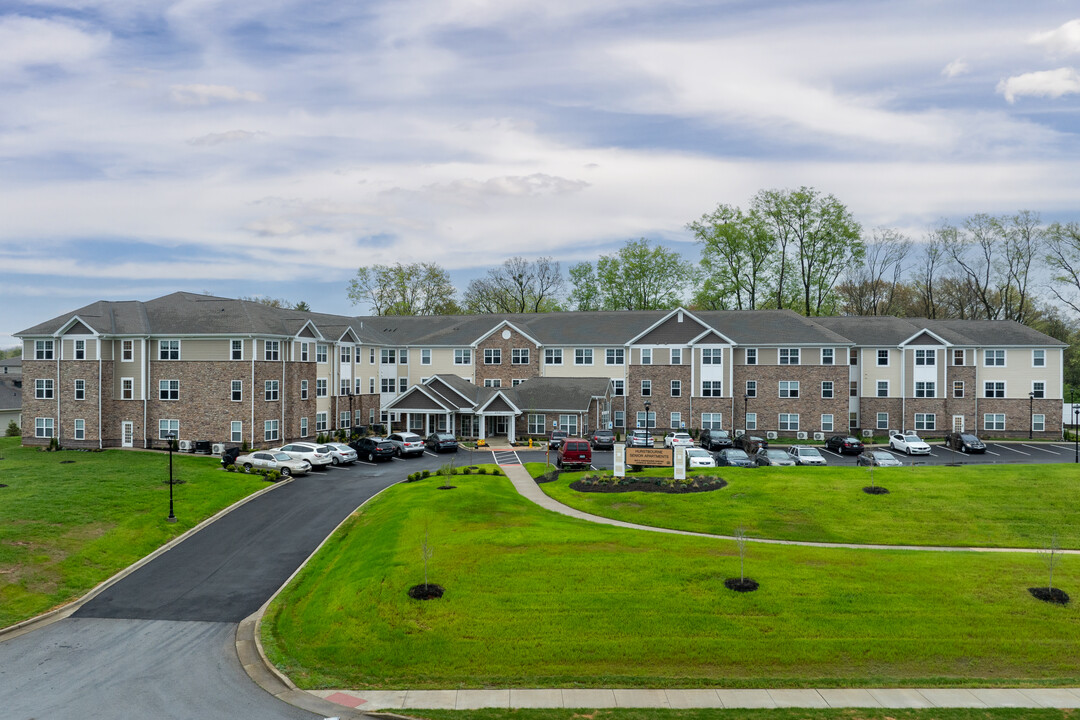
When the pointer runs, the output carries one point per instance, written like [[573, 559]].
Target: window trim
[[44, 427], [127, 351], [166, 391], [791, 354], [519, 356], [986, 358], [750, 391], [130, 388], [79, 387], [780, 422], [161, 349], [882, 425], [493, 356], [1041, 393], [885, 356], [832, 356], [1033, 356], [553, 356], [676, 388], [995, 416], [425, 356], [877, 388], [615, 356], [44, 389], [958, 385], [747, 352], [831, 423], [832, 389], [780, 389], [646, 388], [646, 352], [1004, 389], [233, 350], [271, 390]]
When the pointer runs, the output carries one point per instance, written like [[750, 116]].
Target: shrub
[[481, 471], [12, 429], [425, 474], [273, 476], [495, 471], [230, 468], [467, 471]]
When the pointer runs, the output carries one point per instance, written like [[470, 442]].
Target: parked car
[[341, 454], [640, 438], [750, 444], [696, 457], [964, 442], [602, 439], [877, 458], [555, 439], [574, 452], [714, 439], [908, 443], [441, 442], [317, 455], [229, 456], [845, 445], [764, 456], [274, 460], [374, 448], [407, 443], [734, 457], [678, 439], [803, 455]]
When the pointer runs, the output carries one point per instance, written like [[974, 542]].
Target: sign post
[[680, 462], [620, 460]]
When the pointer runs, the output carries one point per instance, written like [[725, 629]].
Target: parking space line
[[365, 462], [430, 453], [1036, 447], [992, 452], [951, 450], [1006, 447], [1064, 447], [831, 452]]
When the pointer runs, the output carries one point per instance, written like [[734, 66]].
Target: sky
[[271, 149]]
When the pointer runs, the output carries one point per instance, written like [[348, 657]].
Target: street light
[[745, 405], [647, 404], [1031, 413], [170, 435]]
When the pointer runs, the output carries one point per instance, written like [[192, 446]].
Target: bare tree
[[427, 550], [1063, 242], [872, 287], [976, 251], [928, 273], [516, 286], [1051, 557], [1024, 240], [740, 543]]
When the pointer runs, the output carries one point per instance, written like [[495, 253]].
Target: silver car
[[407, 443], [274, 460], [775, 458], [317, 455], [806, 455], [341, 454]]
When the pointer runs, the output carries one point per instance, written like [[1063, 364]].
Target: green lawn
[[536, 599], [66, 526], [989, 505], [748, 714]]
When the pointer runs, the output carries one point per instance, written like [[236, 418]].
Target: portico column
[[450, 423], [512, 421], [427, 423], [483, 427]]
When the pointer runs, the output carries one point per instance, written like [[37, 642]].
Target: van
[[574, 452]]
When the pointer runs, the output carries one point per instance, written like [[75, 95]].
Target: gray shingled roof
[[10, 396], [548, 393]]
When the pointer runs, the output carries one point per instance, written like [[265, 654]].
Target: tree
[[874, 286], [302, 306], [1024, 241], [1063, 242], [413, 289], [517, 286], [928, 274], [637, 277], [736, 258], [586, 291]]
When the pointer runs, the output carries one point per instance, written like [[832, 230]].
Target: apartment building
[[124, 374]]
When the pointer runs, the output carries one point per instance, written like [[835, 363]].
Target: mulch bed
[[446, 487], [875, 490], [547, 477], [1055, 595], [741, 584], [642, 486], [429, 591], [66, 462], [2, 485]]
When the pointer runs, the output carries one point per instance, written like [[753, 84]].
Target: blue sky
[[272, 148]]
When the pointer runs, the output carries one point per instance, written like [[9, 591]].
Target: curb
[[69, 608]]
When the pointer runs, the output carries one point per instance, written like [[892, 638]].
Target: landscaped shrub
[[230, 468], [466, 471], [273, 476], [12, 429], [481, 471], [425, 474]]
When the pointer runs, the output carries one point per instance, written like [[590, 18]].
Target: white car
[[678, 439], [274, 460], [407, 443], [317, 455], [909, 443], [341, 454], [696, 457], [803, 455]]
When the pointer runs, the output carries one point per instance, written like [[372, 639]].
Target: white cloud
[[231, 136], [27, 42], [206, 94], [1045, 83], [1061, 41], [956, 68]]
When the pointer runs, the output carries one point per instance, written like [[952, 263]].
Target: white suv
[[407, 443], [678, 439], [317, 455]]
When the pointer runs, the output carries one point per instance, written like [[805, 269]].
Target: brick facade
[[810, 405], [506, 372]]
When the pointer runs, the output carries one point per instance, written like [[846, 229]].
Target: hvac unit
[[819, 436], [739, 432], [868, 433], [800, 435], [771, 435], [218, 448], [186, 446]]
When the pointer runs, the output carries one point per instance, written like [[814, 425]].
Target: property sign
[[620, 460], [680, 463], [649, 457]]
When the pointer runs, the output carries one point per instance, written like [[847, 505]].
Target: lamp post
[[1031, 413], [647, 404], [169, 437], [745, 406]]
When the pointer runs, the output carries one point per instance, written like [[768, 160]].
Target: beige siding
[[768, 356], [1018, 373], [872, 372]]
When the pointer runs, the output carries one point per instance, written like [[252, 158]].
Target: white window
[[618, 388], [346, 354], [1038, 423], [127, 350], [344, 388], [43, 350], [925, 389], [403, 384], [492, 382], [168, 349], [425, 357], [676, 388], [320, 353], [828, 356], [320, 387], [127, 388], [492, 356], [236, 431], [388, 356], [925, 421], [958, 388], [236, 350], [883, 421], [642, 420], [789, 356], [853, 356], [751, 388], [80, 390], [583, 356], [676, 357], [619, 418], [994, 421], [853, 420], [462, 356], [358, 386], [646, 388], [303, 426], [1038, 358], [43, 389], [371, 357], [386, 385], [826, 388], [371, 385], [925, 357], [712, 421], [712, 356], [403, 356], [43, 427], [568, 423], [270, 430], [614, 356], [1038, 389], [537, 424], [553, 356], [80, 349], [789, 388], [646, 356], [751, 356], [789, 421], [519, 356], [320, 422], [992, 389], [711, 388], [303, 389], [751, 421], [957, 357], [676, 420], [882, 358], [994, 358], [168, 428], [345, 419], [827, 422], [883, 388], [80, 429], [271, 390], [168, 390], [303, 352]]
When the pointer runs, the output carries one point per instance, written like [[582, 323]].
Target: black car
[[845, 445], [374, 448], [750, 444], [602, 439], [964, 442], [715, 439], [441, 442], [733, 457]]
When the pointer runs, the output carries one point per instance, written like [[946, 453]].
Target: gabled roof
[[420, 399], [499, 402], [10, 396], [500, 326], [925, 337], [545, 394]]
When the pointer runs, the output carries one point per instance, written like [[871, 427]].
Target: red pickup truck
[[574, 452]]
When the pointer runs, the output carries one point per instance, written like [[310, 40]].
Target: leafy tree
[[12, 429], [637, 277], [302, 306], [736, 259], [413, 289], [517, 286], [586, 291]]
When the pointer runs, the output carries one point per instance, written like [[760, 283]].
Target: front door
[[128, 434], [958, 423]]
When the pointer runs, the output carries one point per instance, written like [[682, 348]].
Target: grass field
[[992, 506], [740, 714], [536, 599], [69, 519]]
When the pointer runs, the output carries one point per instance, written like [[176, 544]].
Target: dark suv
[[604, 439], [715, 439], [555, 439]]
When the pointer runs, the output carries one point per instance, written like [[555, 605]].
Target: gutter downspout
[[251, 428], [281, 432], [903, 390], [59, 419], [145, 379], [99, 393]]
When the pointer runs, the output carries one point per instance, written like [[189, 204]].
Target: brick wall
[[810, 406], [32, 407], [506, 371], [660, 402]]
